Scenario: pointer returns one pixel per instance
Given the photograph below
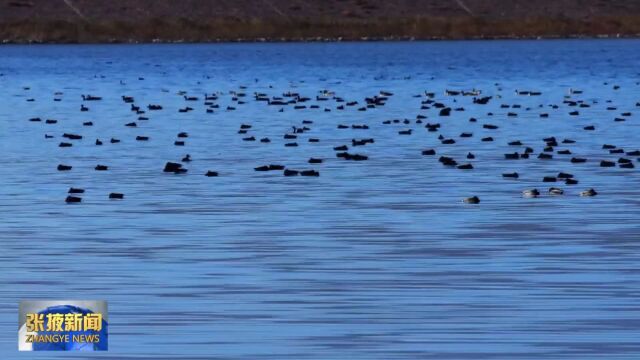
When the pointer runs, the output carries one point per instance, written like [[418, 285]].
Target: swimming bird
[[116, 196], [589, 192], [531, 193], [447, 161], [309, 173], [72, 199], [354, 157], [174, 168], [471, 200], [555, 191], [72, 136]]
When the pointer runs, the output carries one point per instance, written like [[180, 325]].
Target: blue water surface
[[378, 259]]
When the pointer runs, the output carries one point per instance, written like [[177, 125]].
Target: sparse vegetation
[[196, 21]]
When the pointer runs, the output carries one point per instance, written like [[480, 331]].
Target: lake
[[375, 259]]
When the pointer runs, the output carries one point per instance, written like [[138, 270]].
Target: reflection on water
[[376, 259]]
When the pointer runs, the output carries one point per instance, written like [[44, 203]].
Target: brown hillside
[[214, 20]]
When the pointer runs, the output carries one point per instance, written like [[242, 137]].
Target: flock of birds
[[439, 106]]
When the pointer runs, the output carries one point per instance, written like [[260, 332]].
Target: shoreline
[[389, 39]]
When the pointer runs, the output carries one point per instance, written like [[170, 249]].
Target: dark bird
[[72, 199], [116, 196], [174, 168], [309, 173], [471, 200]]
